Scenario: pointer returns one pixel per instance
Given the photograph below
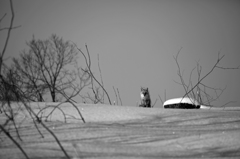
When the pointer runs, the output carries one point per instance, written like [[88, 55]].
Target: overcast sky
[[137, 39]]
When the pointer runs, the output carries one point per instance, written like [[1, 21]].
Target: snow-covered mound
[[182, 103]]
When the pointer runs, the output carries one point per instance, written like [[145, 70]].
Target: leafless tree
[[6, 86], [200, 91], [30, 74], [41, 68], [46, 67], [10, 90]]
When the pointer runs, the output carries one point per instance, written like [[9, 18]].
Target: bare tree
[[10, 90], [41, 68], [46, 67], [200, 91], [30, 75], [5, 91], [6, 86]]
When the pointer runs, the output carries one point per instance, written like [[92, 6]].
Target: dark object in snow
[[181, 103], [182, 106]]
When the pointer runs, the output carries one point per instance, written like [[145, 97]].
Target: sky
[[137, 39]]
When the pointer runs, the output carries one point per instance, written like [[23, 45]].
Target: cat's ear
[[141, 88], [147, 89]]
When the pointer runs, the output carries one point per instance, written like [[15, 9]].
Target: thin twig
[[199, 81], [88, 63], [3, 17], [101, 76], [14, 141], [228, 68], [115, 95], [6, 28], [8, 36], [54, 136], [154, 103], [119, 96], [218, 60], [160, 99]]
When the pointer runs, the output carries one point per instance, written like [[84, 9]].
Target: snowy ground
[[130, 132]]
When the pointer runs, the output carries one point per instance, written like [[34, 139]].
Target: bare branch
[[227, 103], [7, 28], [218, 60], [3, 17], [8, 36], [154, 103], [100, 76], [161, 99], [201, 91], [228, 68], [11, 89], [14, 141], [115, 95], [43, 68], [119, 96], [88, 63], [179, 71]]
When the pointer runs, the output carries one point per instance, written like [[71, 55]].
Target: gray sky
[[136, 40]]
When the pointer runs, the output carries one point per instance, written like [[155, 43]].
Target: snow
[[129, 132], [181, 100]]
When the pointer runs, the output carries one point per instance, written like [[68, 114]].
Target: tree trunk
[[53, 96]]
